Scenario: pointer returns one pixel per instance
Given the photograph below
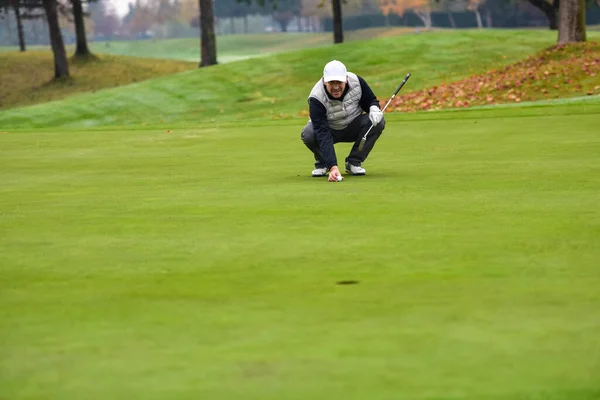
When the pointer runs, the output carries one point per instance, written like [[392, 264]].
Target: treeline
[[180, 18], [504, 15], [147, 17]]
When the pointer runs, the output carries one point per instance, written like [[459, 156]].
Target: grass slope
[[202, 263], [239, 47], [27, 77], [277, 86], [558, 72]]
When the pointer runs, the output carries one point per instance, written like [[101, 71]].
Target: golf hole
[[349, 282]]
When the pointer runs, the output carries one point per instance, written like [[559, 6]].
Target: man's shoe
[[318, 172], [355, 169]]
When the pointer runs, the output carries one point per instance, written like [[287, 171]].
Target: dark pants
[[352, 133]]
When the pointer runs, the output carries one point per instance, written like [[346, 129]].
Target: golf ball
[[339, 178]]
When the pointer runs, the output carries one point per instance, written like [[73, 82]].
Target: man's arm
[[368, 98], [318, 116]]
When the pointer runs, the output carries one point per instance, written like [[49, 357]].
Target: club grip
[[402, 84]]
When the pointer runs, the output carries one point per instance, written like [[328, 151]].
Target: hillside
[[275, 87], [27, 77], [238, 47], [557, 72]]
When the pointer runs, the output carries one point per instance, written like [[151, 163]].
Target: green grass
[[27, 77], [202, 263], [229, 47], [164, 240], [277, 86]]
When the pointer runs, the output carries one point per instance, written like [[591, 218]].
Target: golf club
[[364, 138]]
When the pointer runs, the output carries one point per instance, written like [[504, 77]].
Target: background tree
[[61, 66], [16, 6], [388, 7], [313, 11], [295, 5], [187, 9], [550, 9], [571, 26], [283, 18], [232, 9], [178, 22], [81, 49], [17, 10], [282, 11], [208, 42], [141, 19], [129, 16], [164, 12], [338, 27], [50, 7], [104, 19], [421, 8], [474, 7]]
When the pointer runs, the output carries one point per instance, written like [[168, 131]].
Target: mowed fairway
[[202, 263]]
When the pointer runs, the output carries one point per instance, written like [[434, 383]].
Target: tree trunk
[[19, 27], [208, 41], [425, 17], [549, 9], [488, 18], [478, 18], [338, 29], [61, 66], [283, 24], [451, 19], [571, 26], [82, 47]]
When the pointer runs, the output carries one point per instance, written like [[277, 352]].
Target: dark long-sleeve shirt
[[318, 116]]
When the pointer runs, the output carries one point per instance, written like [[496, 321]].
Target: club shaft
[[389, 101]]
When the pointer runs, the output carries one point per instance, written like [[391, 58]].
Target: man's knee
[[366, 123], [308, 134], [378, 129], [381, 125]]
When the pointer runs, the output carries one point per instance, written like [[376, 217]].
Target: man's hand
[[375, 115], [334, 173]]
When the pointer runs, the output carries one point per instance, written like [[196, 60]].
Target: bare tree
[[208, 41], [5, 6], [61, 66], [338, 28], [550, 8], [17, 10], [473, 6], [421, 8], [82, 49]]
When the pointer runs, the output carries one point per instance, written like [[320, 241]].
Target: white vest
[[340, 113]]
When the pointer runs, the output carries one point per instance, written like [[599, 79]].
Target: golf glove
[[375, 115]]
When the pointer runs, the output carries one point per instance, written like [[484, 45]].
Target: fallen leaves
[[560, 71]]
